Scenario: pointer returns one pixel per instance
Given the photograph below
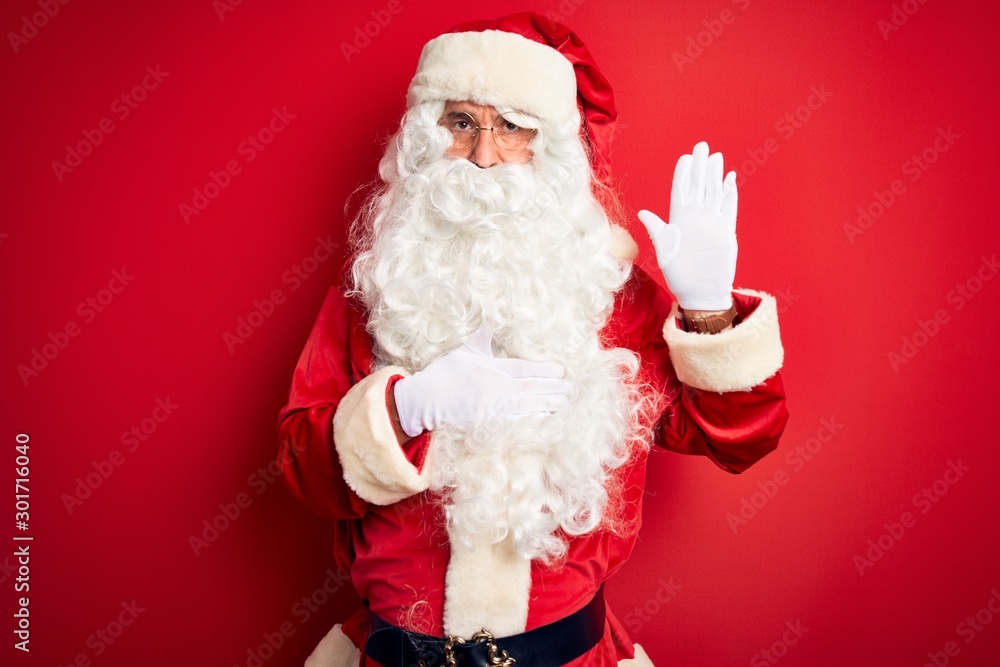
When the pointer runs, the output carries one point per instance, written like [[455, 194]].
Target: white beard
[[527, 249]]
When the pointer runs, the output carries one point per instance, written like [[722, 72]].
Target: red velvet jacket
[[397, 554]]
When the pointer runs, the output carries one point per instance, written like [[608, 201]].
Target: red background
[[847, 303]]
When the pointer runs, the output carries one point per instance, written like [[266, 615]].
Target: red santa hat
[[522, 62]]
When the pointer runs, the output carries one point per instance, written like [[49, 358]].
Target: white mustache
[[461, 193]]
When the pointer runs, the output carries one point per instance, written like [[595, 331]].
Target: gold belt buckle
[[493, 654]]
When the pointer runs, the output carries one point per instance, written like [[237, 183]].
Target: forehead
[[477, 111]]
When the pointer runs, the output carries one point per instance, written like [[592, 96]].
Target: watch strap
[[712, 323]]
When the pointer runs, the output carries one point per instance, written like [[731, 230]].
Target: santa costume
[[493, 540]]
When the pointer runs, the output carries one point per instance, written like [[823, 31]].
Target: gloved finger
[[518, 406], [537, 387], [524, 368], [652, 222], [666, 238], [682, 181], [481, 340], [729, 200], [713, 191], [699, 173]]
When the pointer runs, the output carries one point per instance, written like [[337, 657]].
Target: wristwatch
[[712, 323]]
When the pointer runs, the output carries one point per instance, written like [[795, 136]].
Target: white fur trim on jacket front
[[501, 69], [374, 464], [334, 650], [486, 587], [737, 359]]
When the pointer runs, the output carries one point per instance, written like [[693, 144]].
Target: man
[[475, 408]]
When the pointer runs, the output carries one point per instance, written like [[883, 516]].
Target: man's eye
[[510, 128], [461, 123]]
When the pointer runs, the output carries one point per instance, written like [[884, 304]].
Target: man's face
[[485, 150]]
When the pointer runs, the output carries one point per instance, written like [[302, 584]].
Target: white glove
[[469, 386], [697, 250]]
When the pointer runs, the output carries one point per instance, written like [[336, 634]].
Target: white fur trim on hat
[[374, 464], [501, 69], [737, 359], [334, 650]]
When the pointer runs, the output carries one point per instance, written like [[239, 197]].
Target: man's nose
[[485, 152]]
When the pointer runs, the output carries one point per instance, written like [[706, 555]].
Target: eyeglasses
[[508, 135]]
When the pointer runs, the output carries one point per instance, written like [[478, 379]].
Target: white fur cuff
[[735, 360], [502, 69], [374, 464]]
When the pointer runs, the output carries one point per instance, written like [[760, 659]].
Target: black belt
[[550, 645]]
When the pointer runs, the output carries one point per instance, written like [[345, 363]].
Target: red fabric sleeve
[[305, 426], [336, 356], [733, 429]]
